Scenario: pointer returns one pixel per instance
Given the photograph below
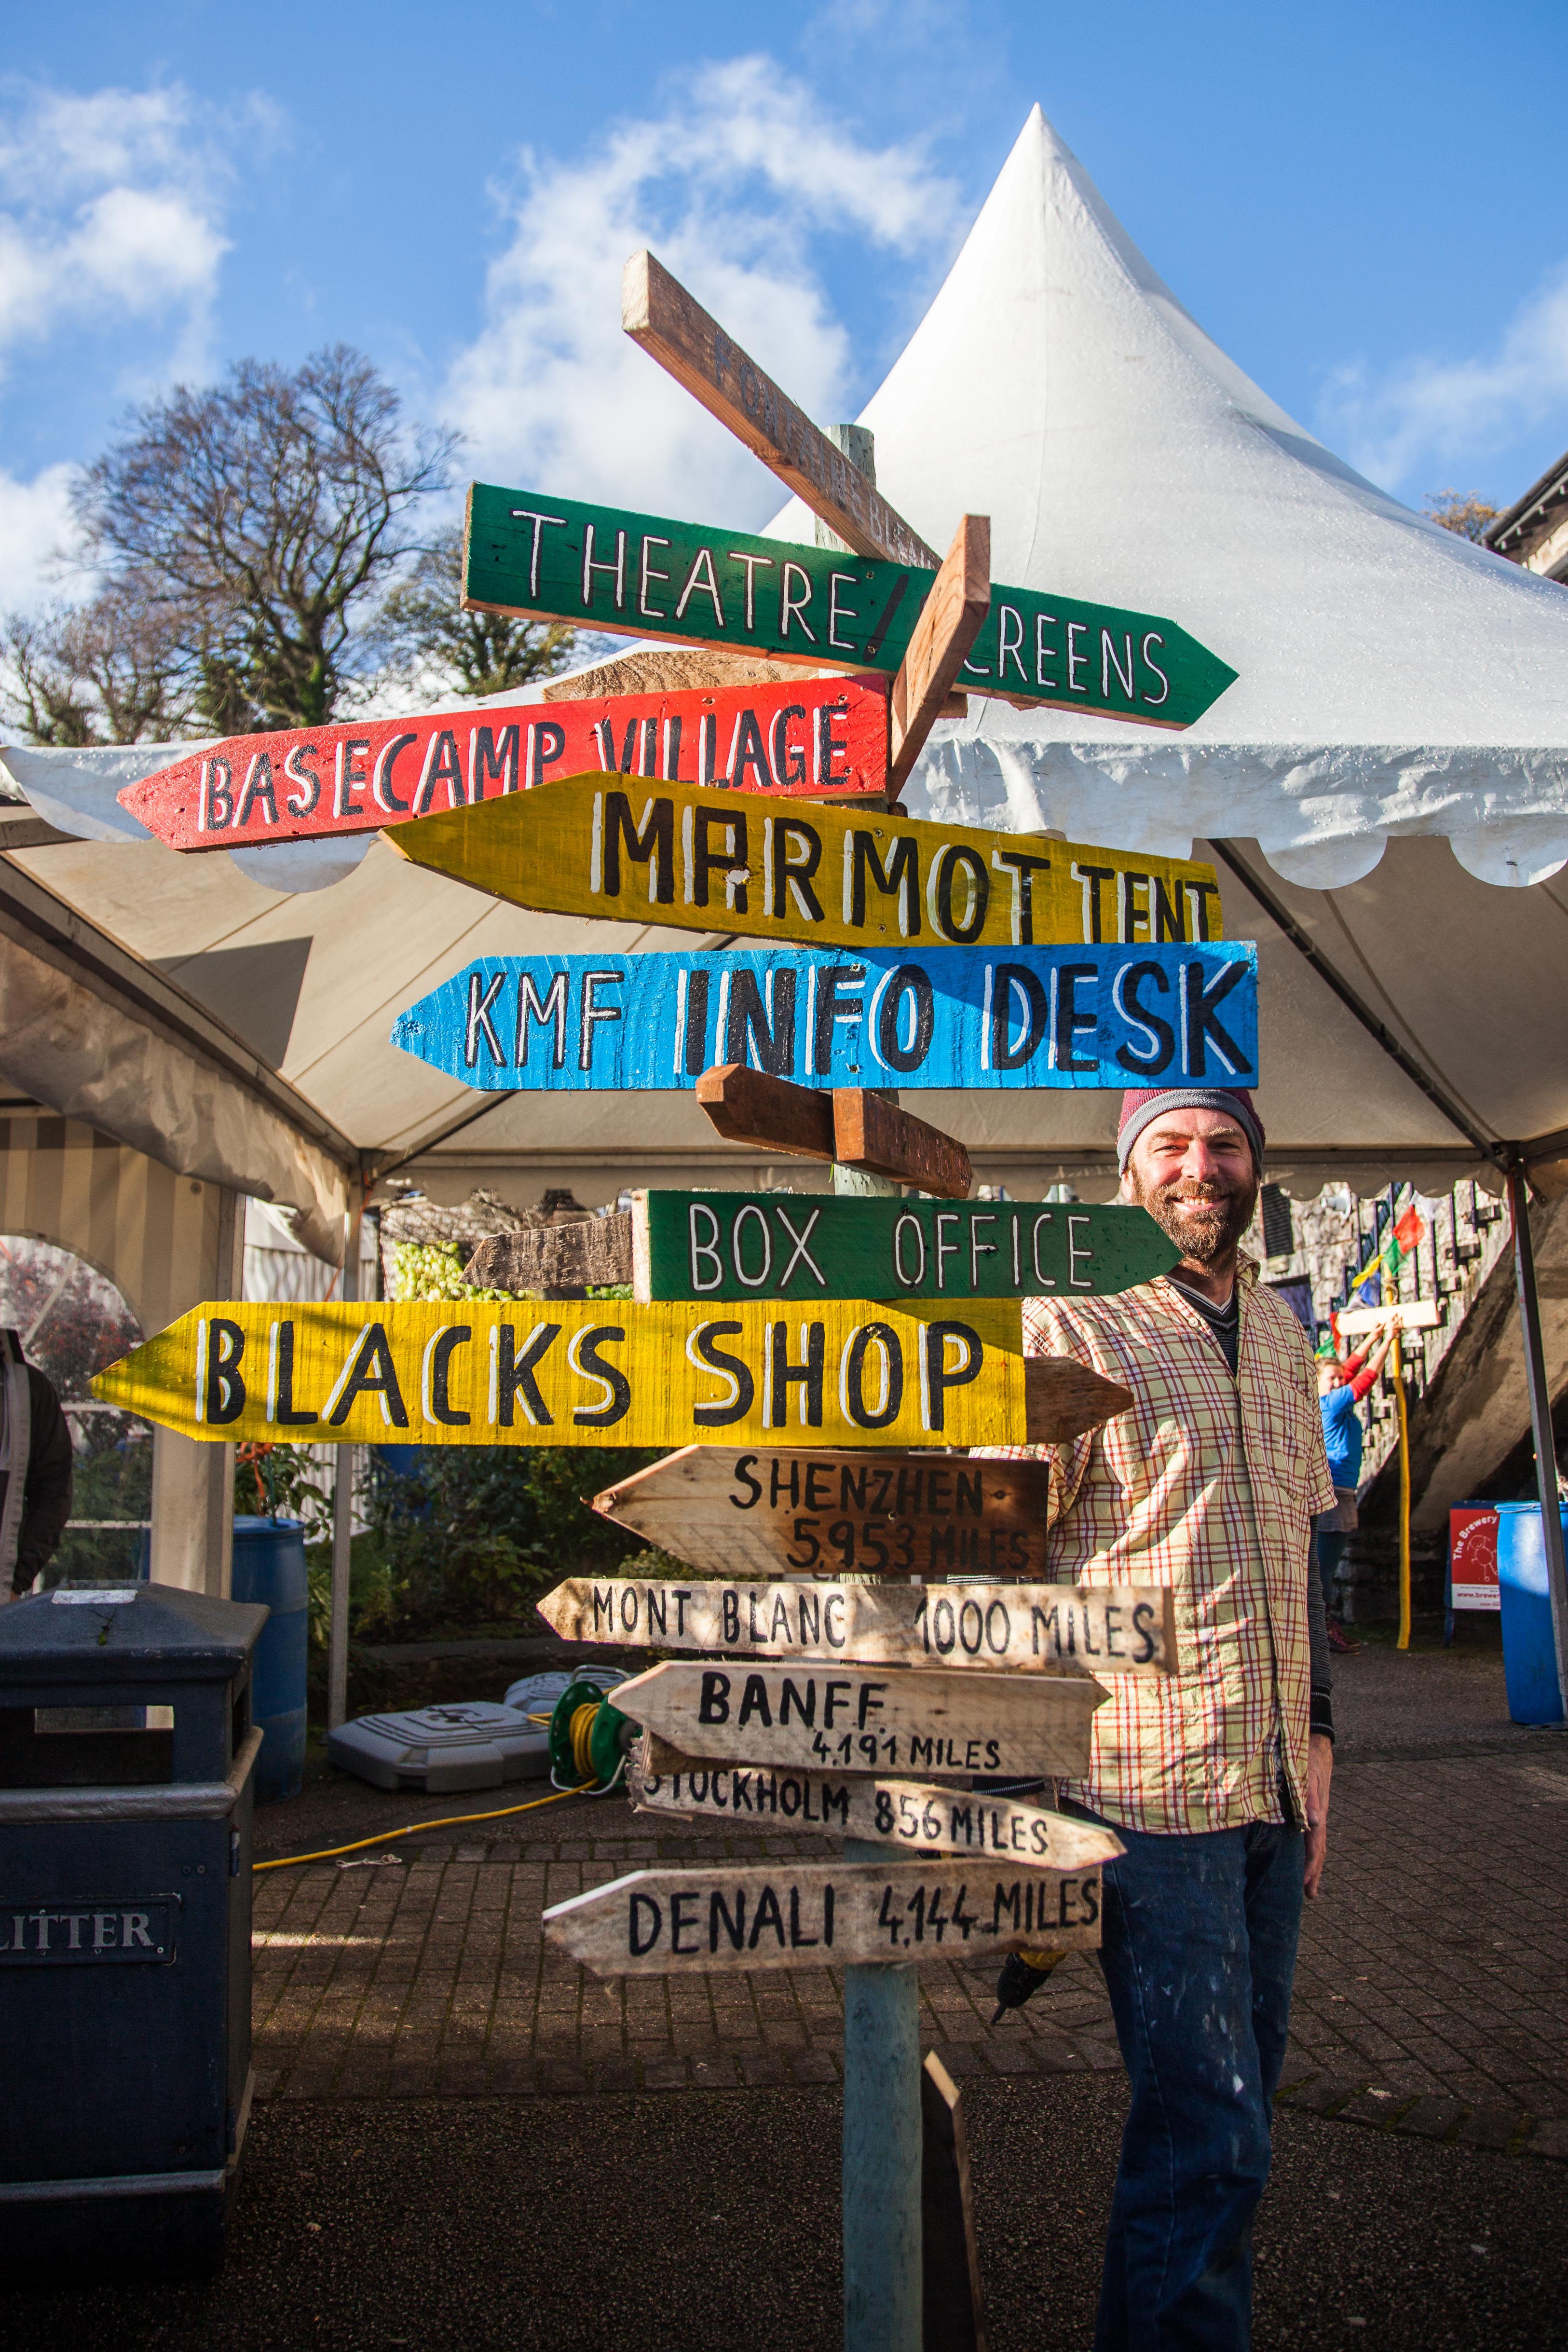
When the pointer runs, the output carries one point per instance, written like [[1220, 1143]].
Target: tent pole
[[1402, 1407], [1541, 1419], [343, 1527]]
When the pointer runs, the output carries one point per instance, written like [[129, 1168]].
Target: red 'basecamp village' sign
[[815, 736]]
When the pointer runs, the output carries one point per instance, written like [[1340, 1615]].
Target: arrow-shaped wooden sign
[[813, 1245], [1053, 1629], [915, 1816], [849, 1126], [973, 1018], [712, 861], [769, 1512], [548, 558], [817, 1914], [857, 1719], [605, 1373], [814, 736]]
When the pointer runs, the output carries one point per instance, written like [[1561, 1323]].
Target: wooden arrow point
[[1063, 1399]]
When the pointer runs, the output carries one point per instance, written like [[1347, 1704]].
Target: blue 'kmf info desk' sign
[[1070, 1016]]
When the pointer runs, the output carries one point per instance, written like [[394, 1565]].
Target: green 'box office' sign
[[606, 568]]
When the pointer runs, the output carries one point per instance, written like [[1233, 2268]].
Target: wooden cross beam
[[950, 620], [657, 312], [849, 1125]]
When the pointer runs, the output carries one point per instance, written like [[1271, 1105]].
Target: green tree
[[258, 520], [422, 632], [1464, 512]]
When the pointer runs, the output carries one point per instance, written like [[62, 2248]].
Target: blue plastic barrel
[[1529, 1651], [269, 1566]]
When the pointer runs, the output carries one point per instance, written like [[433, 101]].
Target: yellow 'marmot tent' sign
[[543, 1372]]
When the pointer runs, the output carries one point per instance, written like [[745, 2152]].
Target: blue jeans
[[1331, 1545], [1198, 1953]]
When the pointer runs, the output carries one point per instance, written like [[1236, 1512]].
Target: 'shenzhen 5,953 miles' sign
[[645, 575], [959, 1017]]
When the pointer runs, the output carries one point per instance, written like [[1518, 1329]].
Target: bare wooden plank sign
[[1000, 1629], [565, 1373], [822, 1915], [809, 735], [1413, 1313], [689, 859], [858, 1719], [766, 1513], [917, 1816]]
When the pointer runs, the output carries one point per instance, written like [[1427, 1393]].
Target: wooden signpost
[[809, 736], [943, 1017], [770, 1514], [846, 1717], [913, 1816], [546, 557], [604, 1373], [819, 1914], [1052, 1629], [710, 861]]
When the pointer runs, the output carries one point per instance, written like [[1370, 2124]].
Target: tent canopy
[[1395, 748]]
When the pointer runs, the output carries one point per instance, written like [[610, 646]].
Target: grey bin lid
[[470, 1743]]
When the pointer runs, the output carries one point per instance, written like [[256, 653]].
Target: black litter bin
[[124, 1930]]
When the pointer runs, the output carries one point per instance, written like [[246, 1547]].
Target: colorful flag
[[1380, 1274]]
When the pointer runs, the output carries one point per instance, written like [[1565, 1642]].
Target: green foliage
[[422, 631], [480, 1532], [435, 1270], [282, 1481]]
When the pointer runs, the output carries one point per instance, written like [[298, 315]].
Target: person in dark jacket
[[35, 1429]]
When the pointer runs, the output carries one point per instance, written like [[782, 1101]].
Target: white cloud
[[1422, 415], [734, 184], [111, 208], [36, 537]]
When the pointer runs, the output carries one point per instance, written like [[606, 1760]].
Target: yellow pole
[[1403, 1496]]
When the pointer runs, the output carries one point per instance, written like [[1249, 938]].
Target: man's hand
[[1320, 1773]]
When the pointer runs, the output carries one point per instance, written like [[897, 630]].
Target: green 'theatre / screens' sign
[[645, 575], [692, 1245]]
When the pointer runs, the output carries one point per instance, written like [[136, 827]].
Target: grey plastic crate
[[536, 1693]]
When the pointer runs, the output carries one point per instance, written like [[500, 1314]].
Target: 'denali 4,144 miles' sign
[[645, 575], [959, 1017]]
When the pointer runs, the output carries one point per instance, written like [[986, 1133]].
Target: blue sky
[[1362, 204]]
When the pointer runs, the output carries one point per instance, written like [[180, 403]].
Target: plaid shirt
[[1209, 1485]]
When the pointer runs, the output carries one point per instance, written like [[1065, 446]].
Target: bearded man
[[1215, 1777]]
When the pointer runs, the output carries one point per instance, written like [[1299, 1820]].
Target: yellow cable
[[452, 1821]]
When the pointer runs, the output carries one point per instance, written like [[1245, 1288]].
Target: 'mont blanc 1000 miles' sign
[[969, 1018]]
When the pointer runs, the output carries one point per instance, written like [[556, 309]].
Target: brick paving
[[1431, 1997]]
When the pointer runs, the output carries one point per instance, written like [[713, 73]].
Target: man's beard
[[1205, 1219]]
